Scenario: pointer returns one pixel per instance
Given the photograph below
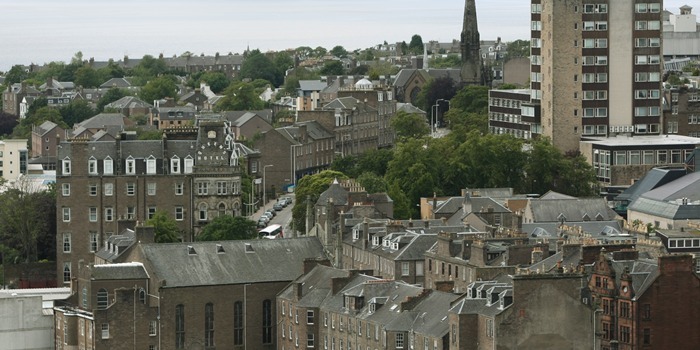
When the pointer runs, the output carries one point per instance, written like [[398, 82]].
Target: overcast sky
[[39, 31]]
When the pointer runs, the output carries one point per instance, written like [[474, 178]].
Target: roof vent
[[249, 248], [220, 249], [191, 251]]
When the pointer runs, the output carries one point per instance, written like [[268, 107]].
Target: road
[[283, 217]]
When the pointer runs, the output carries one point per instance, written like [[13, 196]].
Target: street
[[283, 217]]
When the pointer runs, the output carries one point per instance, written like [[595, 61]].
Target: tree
[[217, 81], [165, 228], [451, 61], [282, 62], [379, 68], [111, 70], [339, 51], [518, 48], [409, 125], [7, 123], [333, 68], [416, 45], [226, 227], [259, 66], [240, 96], [548, 169], [441, 88], [87, 77], [76, 112], [158, 88], [27, 217], [372, 182], [147, 69], [24, 129], [319, 51], [309, 188], [15, 75]]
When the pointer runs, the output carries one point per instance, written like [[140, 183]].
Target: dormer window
[[386, 243], [65, 166], [395, 246], [189, 164], [151, 165], [355, 234], [92, 166], [130, 166], [108, 166], [375, 240], [175, 165]]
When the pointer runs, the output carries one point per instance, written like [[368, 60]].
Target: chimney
[[310, 263], [625, 254], [298, 290], [676, 263], [434, 205], [365, 233], [536, 255], [145, 234]]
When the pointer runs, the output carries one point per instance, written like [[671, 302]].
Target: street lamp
[[265, 194], [436, 110]]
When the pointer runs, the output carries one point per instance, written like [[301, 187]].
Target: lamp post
[[264, 188], [436, 106]]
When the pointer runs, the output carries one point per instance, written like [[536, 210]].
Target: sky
[[40, 31]]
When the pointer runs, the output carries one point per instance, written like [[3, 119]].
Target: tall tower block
[[471, 57]]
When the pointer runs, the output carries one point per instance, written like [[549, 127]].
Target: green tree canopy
[[339, 51], [258, 66], [451, 61], [372, 182], [27, 222], [24, 129], [147, 69], [333, 68], [309, 188], [518, 48], [111, 70], [76, 112], [240, 96], [165, 228], [110, 96], [409, 125], [87, 77], [225, 227], [158, 88], [16, 74], [416, 45]]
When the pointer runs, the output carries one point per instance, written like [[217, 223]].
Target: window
[[94, 242], [221, 188], [151, 188], [180, 326], [404, 269], [209, 325], [419, 268], [109, 214], [153, 328], [175, 165], [189, 164], [489, 328], [102, 299], [151, 212], [92, 166], [309, 340], [105, 331], [399, 340], [130, 166], [65, 190], [66, 214], [267, 322], [65, 166], [130, 189], [203, 211], [151, 165], [179, 213], [130, 213], [238, 323], [66, 242], [92, 214], [108, 166], [309, 316], [92, 189], [179, 189], [109, 189], [202, 188], [646, 337], [624, 334]]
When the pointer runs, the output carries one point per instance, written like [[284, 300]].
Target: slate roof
[[103, 120], [45, 127], [315, 285], [597, 229], [549, 210], [122, 271], [116, 82], [408, 108], [449, 206], [336, 192], [416, 247], [243, 261], [642, 272], [667, 200], [312, 85], [430, 314], [128, 102], [555, 195], [654, 178]]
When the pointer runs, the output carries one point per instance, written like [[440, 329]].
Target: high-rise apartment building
[[596, 71]]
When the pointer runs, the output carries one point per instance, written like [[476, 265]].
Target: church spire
[[471, 56]]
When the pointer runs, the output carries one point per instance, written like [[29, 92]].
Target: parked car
[[262, 223], [267, 216], [287, 200], [271, 212], [278, 206]]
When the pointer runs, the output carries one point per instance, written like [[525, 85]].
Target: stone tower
[[471, 57]]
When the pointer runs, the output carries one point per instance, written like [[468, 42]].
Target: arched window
[[102, 299], [203, 211], [209, 325], [238, 323], [222, 209], [267, 321], [142, 296], [180, 326]]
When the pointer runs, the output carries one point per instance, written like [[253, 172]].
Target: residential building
[[245, 125], [13, 158], [510, 112], [45, 140], [172, 116], [112, 123], [682, 111], [13, 96], [129, 106], [184, 296], [637, 300], [193, 175], [28, 321]]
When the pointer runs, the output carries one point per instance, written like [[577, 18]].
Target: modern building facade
[[13, 158]]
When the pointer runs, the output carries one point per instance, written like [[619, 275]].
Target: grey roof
[[553, 210], [122, 271], [45, 127], [416, 247], [128, 102], [116, 82], [315, 285], [654, 178], [249, 261], [336, 192], [642, 272], [430, 314], [668, 200], [312, 85], [449, 206], [408, 108], [597, 229], [104, 119], [556, 195], [342, 103]]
